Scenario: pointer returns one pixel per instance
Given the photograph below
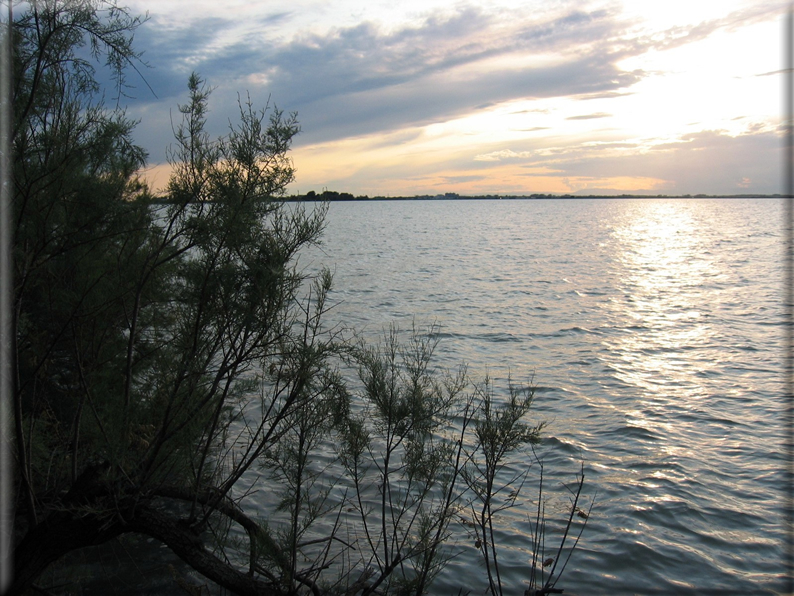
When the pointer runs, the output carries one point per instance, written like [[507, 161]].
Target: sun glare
[[662, 265]]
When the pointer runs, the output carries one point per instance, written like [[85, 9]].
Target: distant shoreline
[[331, 196]]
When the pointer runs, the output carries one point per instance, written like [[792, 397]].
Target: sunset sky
[[417, 97]]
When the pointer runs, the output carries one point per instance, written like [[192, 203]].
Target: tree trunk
[[63, 532], [189, 548], [53, 538]]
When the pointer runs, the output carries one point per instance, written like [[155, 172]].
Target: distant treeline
[[331, 195]]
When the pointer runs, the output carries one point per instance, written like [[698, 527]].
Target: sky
[[425, 97]]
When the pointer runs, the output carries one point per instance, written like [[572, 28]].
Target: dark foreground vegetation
[[173, 377]]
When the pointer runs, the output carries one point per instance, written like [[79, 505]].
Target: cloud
[[438, 68], [589, 116], [362, 79], [174, 52], [743, 17], [711, 162], [461, 178], [604, 95], [440, 98], [502, 154], [384, 83]]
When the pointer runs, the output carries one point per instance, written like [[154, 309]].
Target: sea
[[652, 331], [653, 334]]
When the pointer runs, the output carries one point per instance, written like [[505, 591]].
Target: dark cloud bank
[[362, 80]]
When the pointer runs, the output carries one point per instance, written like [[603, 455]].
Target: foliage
[[170, 352], [499, 430], [402, 460]]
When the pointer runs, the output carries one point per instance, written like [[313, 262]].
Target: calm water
[[652, 329]]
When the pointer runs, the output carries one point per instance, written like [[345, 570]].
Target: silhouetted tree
[[168, 350]]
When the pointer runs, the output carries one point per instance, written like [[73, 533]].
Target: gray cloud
[[710, 162], [173, 53], [589, 116], [437, 98], [361, 58], [706, 162], [459, 179], [360, 80], [677, 36], [604, 95]]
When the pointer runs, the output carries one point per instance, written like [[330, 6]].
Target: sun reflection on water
[[664, 269]]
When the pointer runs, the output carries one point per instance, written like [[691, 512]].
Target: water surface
[[653, 332]]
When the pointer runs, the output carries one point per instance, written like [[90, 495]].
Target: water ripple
[[654, 335]]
